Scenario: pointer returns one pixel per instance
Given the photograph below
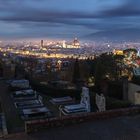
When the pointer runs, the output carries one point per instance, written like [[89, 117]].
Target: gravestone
[[85, 98], [101, 102]]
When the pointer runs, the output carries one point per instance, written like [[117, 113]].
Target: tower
[[64, 44], [42, 43]]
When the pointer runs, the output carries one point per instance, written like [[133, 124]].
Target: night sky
[[66, 18]]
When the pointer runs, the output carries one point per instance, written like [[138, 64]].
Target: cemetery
[[39, 111], [65, 105], [28, 102], [31, 107]]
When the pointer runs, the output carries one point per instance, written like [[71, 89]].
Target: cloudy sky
[[66, 18]]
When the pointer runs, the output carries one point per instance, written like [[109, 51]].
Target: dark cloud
[[18, 13], [130, 8], [33, 13]]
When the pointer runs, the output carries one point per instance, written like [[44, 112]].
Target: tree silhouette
[[76, 72], [105, 64]]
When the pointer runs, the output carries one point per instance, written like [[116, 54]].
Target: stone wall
[[37, 125], [132, 89]]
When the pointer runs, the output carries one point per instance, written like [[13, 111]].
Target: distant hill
[[115, 35]]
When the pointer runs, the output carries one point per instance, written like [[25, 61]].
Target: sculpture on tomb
[[85, 98]]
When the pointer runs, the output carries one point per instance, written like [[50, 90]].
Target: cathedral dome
[[76, 42]]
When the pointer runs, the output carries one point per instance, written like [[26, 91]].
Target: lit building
[[76, 43], [118, 52]]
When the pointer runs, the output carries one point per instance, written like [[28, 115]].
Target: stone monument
[[85, 98], [101, 102]]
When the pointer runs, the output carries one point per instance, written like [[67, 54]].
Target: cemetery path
[[122, 128], [14, 123]]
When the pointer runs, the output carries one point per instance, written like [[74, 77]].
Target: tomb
[[82, 107], [28, 104], [25, 94], [36, 113], [62, 100], [19, 84]]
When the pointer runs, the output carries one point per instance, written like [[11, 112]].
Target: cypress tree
[[76, 72]]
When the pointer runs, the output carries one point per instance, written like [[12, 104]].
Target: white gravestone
[[85, 98], [101, 102]]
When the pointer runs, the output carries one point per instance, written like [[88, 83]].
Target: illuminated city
[[69, 70]]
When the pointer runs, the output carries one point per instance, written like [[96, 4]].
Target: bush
[[112, 103], [55, 92], [116, 90]]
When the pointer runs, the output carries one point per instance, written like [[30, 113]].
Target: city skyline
[[68, 19]]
